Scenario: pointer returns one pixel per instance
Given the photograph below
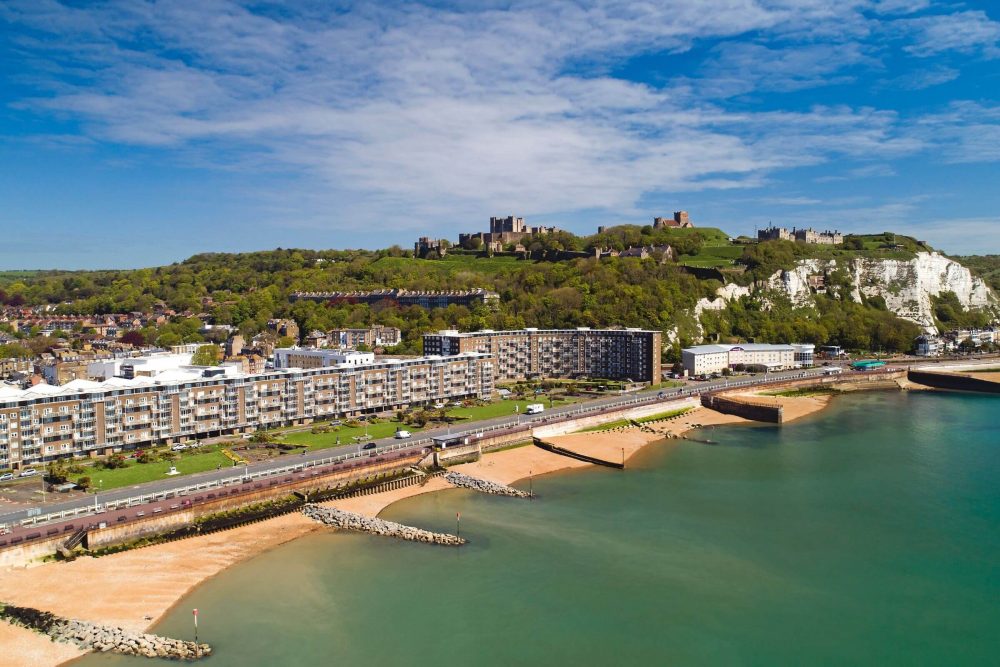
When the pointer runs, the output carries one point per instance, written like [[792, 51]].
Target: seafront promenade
[[16, 517]]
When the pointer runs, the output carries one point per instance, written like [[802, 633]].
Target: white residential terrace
[[91, 418], [707, 359]]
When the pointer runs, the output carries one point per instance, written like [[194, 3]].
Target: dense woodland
[[248, 289]]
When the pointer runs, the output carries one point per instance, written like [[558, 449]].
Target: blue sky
[[136, 133]]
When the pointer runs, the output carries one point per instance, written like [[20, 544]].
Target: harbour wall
[[953, 381], [744, 407]]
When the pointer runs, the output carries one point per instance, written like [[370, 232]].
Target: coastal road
[[13, 515]]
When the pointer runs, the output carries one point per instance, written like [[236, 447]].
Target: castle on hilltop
[[503, 231], [679, 221], [800, 235]]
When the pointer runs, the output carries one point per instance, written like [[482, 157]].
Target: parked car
[[6, 477], [402, 434], [28, 472], [179, 448]]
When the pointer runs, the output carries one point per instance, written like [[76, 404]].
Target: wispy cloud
[[966, 32]]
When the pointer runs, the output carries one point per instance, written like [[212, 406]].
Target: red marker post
[[195, 612], [458, 524]]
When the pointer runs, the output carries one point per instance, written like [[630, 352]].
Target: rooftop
[[749, 347]]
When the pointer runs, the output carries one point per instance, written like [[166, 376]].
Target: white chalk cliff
[[906, 285]]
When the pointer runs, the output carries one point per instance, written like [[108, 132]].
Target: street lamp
[[97, 490]]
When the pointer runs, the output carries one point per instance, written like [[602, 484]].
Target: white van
[[534, 408], [403, 435]]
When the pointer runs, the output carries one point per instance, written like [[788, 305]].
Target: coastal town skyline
[[232, 127]]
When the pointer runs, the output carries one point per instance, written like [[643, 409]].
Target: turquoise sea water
[[869, 535]]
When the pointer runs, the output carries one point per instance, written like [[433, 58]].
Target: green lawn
[[505, 408], [345, 433], [137, 473]]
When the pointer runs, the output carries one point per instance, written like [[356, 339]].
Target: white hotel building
[[707, 359]]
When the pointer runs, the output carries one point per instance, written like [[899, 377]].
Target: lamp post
[[97, 490]]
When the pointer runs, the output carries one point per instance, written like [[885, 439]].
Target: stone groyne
[[484, 485], [336, 518], [102, 638]]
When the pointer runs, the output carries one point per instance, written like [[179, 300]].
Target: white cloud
[[965, 32], [411, 114]]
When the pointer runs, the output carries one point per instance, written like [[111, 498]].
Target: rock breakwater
[[336, 518], [102, 638], [484, 485]]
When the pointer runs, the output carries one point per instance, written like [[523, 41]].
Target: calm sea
[[869, 535]]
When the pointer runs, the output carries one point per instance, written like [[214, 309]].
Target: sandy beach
[[132, 589], [106, 590]]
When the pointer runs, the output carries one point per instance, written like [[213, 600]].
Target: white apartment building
[[83, 418], [301, 357]]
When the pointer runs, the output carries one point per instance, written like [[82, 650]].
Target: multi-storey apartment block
[[90, 418], [614, 354]]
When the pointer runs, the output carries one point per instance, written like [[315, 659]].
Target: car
[[336, 422], [28, 472], [369, 445], [6, 477], [179, 448], [402, 434]]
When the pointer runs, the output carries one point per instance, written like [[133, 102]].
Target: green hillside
[[248, 289]]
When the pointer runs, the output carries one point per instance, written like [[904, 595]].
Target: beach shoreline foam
[[168, 573]]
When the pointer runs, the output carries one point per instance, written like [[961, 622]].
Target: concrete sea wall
[[953, 381], [743, 407]]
